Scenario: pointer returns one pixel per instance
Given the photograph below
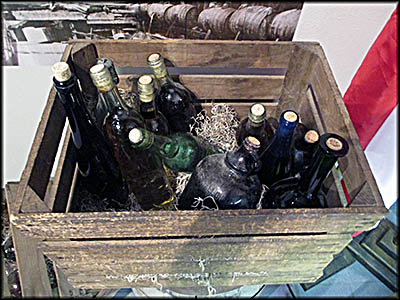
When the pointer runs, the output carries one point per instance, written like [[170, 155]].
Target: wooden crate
[[234, 247]]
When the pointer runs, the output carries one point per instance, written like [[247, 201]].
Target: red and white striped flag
[[372, 94]]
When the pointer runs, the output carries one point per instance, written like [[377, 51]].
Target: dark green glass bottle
[[174, 100], [230, 179], [96, 163], [276, 158], [255, 125], [149, 175], [305, 191], [153, 118], [302, 151]]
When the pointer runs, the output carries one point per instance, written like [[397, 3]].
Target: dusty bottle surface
[[276, 158], [174, 101], [255, 125], [229, 179], [302, 151], [96, 162], [305, 191], [184, 151], [154, 120], [149, 175]]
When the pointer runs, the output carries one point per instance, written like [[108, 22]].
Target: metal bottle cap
[[101, 78], [145, 88], [156, 62]]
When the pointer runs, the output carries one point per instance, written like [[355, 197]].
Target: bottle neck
[[161, 73], [113, 99], [254, 124], [280, 145], [245, 159]]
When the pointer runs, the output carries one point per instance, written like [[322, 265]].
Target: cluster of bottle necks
[[125, 148]]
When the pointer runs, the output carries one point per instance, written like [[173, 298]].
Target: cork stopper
[[334, 144], [135, 135], [251, 143], [101, 78], [61, 71], [154, 58], [257, 113], [311, 136], [290, 116], [145, 88]]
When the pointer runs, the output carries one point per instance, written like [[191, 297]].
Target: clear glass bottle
[[96, 163], [149, 175], [276, 158], [302, 151], [228, 179], [154, 120], [255, 125], [305, 191], [175, 101]]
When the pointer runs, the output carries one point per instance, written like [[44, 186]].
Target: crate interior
[[280, 75]]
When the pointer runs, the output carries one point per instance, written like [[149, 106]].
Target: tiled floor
[[354, 281]]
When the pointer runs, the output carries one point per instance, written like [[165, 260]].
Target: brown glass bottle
[[175, 101], [118, 123], [255, 125], [96, 163], [153, 118]]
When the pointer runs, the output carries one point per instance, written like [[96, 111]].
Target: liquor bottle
[[175, 101], [148, 177], [255, 125], [305, 191], [118, 122], [302, 151], [96, 163], [229, 179], [154, 120], [181, 151], [276, 158]]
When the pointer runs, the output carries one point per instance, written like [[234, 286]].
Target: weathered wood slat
[[73, 268], [65, 290], [183, 53], [217, 280], [354, 166], [196, 223], [238, 87], [44, 149], [30, 260], [183, 248]]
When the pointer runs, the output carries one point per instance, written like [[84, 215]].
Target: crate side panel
[[185, 53], [354, 166], [197, 223], [41, 157], [213, 86]]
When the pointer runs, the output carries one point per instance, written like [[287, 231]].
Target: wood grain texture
[[65, 290], [30, 260], [238, 87], [183, 53], [354, 166], [197, 223], [44, 148]]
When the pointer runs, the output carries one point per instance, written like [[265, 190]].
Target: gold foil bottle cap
[[61, 71], [334, 144], [311, 136], [101, 78], [135, 135], [145, 88], [290, 116], [156, 62]]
